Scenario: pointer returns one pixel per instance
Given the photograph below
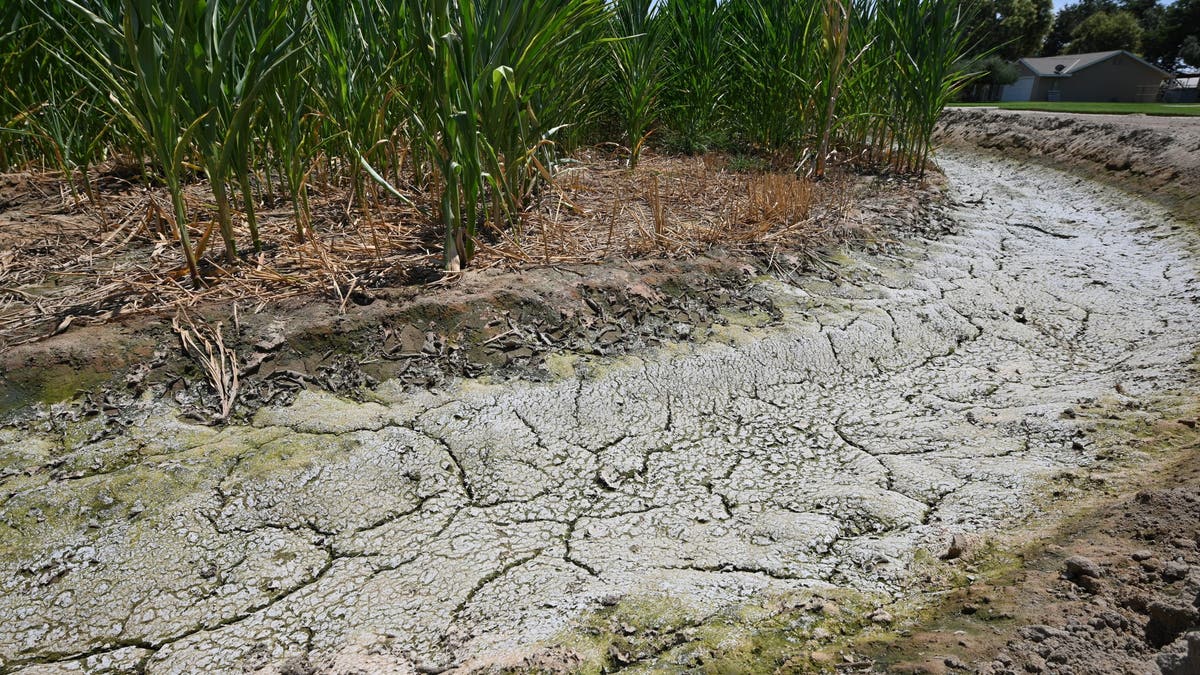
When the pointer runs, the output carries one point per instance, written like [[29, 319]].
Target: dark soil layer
[[1157, 157], [501, 323]]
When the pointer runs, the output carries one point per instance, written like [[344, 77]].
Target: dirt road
[[933, 391]]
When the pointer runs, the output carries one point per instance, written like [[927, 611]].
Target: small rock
[[620, 656], [1183, 542], [608, 478], [820, 633], [297, 665], [880, 616], [1090, 584], [1168, 622], [955, 663], [1181, 659], [1141, 555], [1034, 663], [958, 546], [969, 609], [610, 600], [1078, 567], [1174, 571], [1042, 633]]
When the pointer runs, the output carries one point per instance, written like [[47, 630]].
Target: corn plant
[[926, 38], [72, 126], [289, 129], [696, 49], [358, 72], [136, 53], [773, 80], [639, 71], [499, 79], [235, 50], [835, 38]]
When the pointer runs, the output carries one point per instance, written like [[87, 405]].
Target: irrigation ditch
[[881, 464]]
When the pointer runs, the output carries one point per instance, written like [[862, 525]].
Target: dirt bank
[[396, 324], [1110, 589], [1158, 157]]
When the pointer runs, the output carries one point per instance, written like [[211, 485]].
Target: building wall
[[1042, 87], [1017, 91], [1121, 78]]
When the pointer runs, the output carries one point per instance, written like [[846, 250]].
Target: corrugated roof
[[1047, 66]]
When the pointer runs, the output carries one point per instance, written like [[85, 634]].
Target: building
[[1098, 76], [1182, 90]]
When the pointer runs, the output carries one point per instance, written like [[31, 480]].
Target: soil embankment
[[1158, 157]]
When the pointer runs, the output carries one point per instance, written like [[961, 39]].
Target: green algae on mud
[[658, 634]]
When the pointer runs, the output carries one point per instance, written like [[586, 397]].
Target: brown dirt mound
[[1158, 157]]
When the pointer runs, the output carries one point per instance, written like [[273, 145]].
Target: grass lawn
[[1168, 109]]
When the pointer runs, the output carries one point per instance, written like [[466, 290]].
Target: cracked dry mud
[[919, 396]]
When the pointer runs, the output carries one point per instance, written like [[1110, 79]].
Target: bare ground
[[1158, 157]]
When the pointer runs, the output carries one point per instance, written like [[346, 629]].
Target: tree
[[1189, 51], [994, 72], [1151, 16], [1012, 29], [1103, 31], [1068, 19], [1181, 34]]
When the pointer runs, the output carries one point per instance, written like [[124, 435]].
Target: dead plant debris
[[65, 264]]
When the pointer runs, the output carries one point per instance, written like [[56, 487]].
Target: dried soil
[[1113, 590], [1158, 157], [1114, 587]]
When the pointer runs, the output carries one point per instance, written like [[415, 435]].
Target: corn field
[[462, 109]]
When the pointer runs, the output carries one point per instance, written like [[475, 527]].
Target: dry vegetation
[[63, 264]]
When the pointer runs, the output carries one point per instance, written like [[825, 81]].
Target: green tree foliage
[[1012, 28], [1068, 19], [1189, 51], [1169, 31], [1181, 34], [1103, 31], [991, 73]]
